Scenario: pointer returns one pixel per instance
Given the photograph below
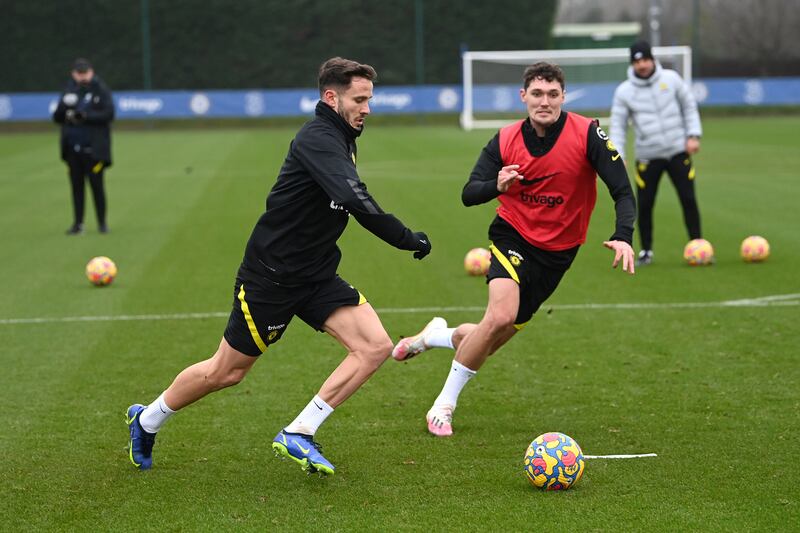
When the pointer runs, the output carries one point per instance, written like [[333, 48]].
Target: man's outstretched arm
[[609, 165]]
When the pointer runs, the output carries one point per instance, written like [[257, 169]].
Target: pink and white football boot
[[411, 346], [440, 420]]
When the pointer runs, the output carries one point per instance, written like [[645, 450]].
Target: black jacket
[[99, 109], [308, 208]]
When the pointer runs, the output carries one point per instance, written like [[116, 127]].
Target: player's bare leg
[[360, 331], [225, 368], [474, 347], [495, 328]]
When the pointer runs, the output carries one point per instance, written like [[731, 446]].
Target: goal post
[[492, 79]]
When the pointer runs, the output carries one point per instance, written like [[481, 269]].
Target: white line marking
[[633, 456], [112, 318], [777, 300]]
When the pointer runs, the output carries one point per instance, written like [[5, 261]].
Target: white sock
[[440, 338], [155, 414], [458, 377], [310, 418]]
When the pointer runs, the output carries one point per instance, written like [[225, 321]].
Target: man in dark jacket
[[85, 111], [289, 269]]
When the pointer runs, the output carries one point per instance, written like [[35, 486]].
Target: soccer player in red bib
[[543, 172]]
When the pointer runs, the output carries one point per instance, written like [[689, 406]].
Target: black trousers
[[681, 172], [81, 167]]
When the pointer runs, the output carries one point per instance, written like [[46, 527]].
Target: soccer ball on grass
[[477, 261], [754, 249], [698, 252], [101, 271], [554, 461]]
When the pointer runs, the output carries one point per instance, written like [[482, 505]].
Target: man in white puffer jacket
[[667, 127]]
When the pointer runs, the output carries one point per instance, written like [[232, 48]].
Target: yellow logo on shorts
[[610, 146], [515, 257], [272, 335]]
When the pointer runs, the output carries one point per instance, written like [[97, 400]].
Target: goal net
[[492, 80]]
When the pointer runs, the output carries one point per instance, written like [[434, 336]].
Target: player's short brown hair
[[544, 71], [337, 73]]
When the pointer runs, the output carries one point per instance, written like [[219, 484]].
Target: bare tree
[[751, 29]]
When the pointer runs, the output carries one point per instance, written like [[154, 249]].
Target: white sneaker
[[411, 346], [440, 420]]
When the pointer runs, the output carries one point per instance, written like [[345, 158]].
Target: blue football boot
[[304, 450], [140, 447]]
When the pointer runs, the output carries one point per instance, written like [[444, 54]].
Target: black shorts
[[263, 309], [538, 272]]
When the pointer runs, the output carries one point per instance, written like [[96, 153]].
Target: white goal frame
[[561, 57]]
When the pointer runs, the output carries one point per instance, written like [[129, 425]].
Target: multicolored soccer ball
[[554, 461], [754, 249], [477, 261], [101, 271], [698, 252]]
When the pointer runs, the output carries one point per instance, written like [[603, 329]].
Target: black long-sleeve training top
[[482, 184], [294, 241]]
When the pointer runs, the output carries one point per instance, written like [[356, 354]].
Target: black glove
[[422, 246], [74, 116]]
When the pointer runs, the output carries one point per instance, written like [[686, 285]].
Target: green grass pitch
[[712, 388]]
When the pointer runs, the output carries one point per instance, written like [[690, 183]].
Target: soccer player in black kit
[[289, 269], [543, 170]]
